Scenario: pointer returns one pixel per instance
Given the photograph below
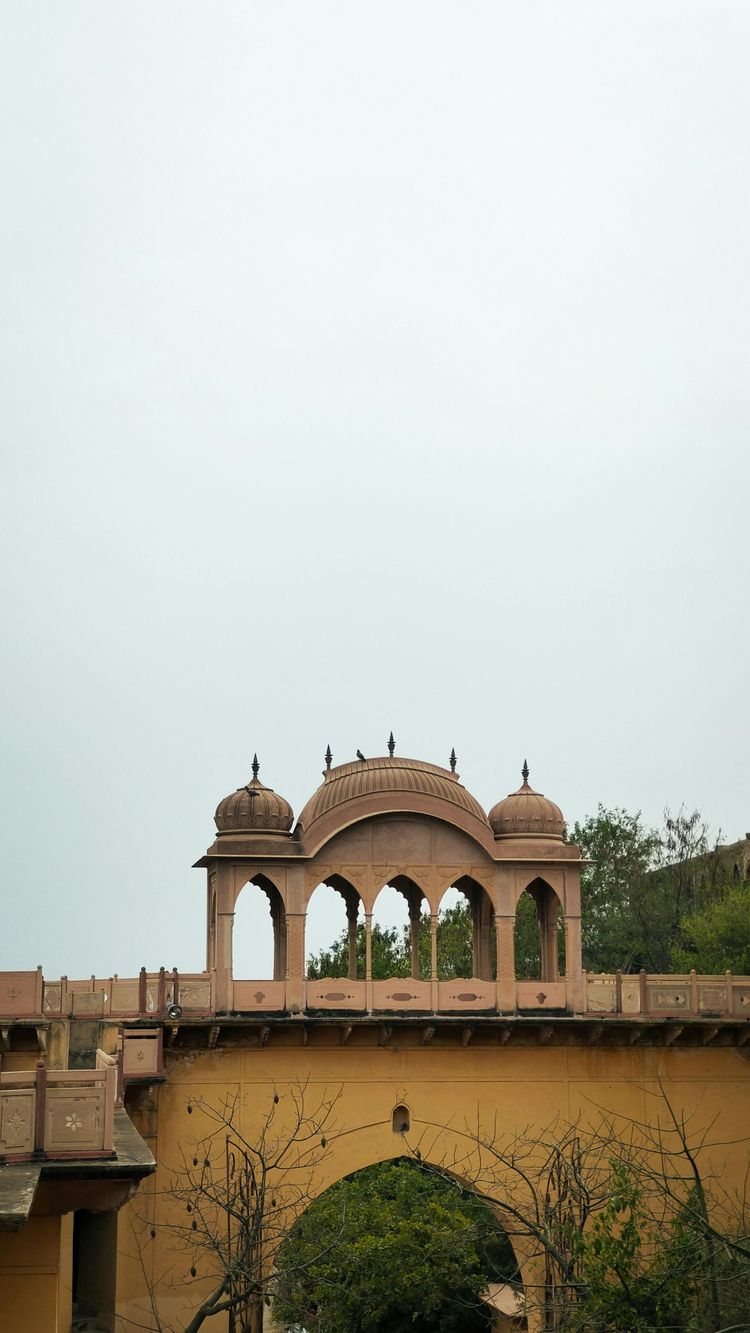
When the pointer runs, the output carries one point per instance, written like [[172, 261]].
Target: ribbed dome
[[526, 812], [254, 809], [372, 776]]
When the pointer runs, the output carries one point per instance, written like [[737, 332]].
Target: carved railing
[[57, 1113], [28, 995], [151, 995], [678, 995]]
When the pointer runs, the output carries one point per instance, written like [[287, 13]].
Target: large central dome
[[375, 777]]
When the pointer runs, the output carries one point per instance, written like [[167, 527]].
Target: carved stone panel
[[630, 996], [17, 1121], [259, 996], [402, 993], [74, 1121], [17, 993], [665, 997], [741, 1000], [712, 999], [463, 995], [531, 995], [195, 994], [52, 997], [336, 993]]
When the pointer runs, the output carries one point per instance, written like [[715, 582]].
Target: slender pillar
[[368, 960], [414, 923], [434, 960], [505, 927], [352, 922]]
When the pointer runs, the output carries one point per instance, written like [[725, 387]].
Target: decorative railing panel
[[336, 993], [259, 996], [57, 1113], [402, 993], [464, 995]]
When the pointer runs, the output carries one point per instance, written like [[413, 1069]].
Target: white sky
[[362, 366]]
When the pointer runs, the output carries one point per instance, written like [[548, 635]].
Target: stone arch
[[481, 945], [275, 944], [548, 911], [337, 884], [521, 1264], [413, 896]]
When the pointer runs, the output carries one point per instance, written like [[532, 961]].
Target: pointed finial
[[453, 761], [391, 745], [329, 757], [256, 766], [525, 771]]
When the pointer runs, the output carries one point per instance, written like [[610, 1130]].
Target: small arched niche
[[539, 934], [259, 932], [401, 1119]]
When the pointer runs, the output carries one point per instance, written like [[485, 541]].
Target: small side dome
[[254, 809], [526, 813]]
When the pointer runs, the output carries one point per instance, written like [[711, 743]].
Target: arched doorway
[[425, 1244]]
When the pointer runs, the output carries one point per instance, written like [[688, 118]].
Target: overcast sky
[[364, 366]]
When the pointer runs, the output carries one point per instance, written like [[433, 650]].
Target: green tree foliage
[[395, 1248], [641, 886], [391, 950], [717, 938]]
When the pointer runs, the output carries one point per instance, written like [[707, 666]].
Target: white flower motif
[[72, 1122], [16, 1124]]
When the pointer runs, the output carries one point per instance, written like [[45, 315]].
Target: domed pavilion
[[413, 825]]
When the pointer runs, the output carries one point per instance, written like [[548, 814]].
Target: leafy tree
[[395, 1248], [391, 950], [622, 850], [391, 955], [641, 885], [717, 938]]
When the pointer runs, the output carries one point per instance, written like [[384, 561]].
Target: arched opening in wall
[[400, 931], [411, 1216], [335, 931], [466, 933], [539, 934], [259, 932], [736, 874]]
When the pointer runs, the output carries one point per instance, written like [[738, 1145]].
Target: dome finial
[[525, 771], [391, 745], [256, 766], [453, 760], [328, 757]]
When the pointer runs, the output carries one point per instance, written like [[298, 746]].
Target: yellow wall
[[442, 1085], [35, 1277]]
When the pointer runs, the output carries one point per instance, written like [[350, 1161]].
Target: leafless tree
[[232, 1200]]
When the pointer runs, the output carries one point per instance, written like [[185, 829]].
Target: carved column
[[368, 961], [434, 960], [505, 927], [414, 924], [351, 917], [295, 961], [576, 1002]]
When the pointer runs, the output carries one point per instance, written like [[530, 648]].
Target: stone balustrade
[[28, 996], [57, 1114]]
